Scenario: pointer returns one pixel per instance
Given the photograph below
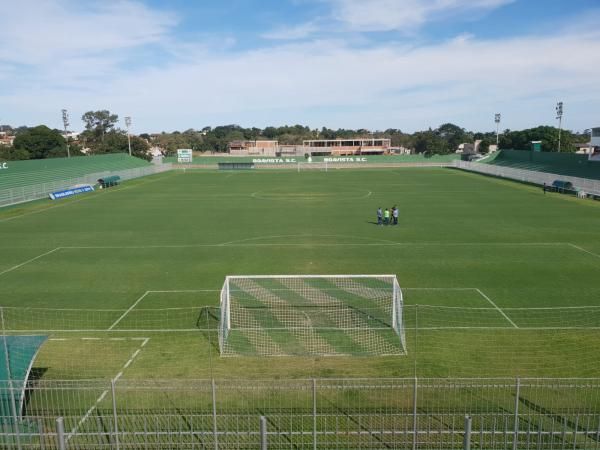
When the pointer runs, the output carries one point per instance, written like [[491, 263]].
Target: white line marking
[[318, 244], [496, 306], [100, 339], [185, 290], [29, 260], [116, 322], [99, 399], [102, 330], [584, 250]]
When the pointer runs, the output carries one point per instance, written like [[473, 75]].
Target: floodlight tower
[[65, 119], [559, 114], [128, 125], [497, 120]]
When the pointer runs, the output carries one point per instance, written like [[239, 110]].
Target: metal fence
[[308, 414], [529, 176], [28, 193]]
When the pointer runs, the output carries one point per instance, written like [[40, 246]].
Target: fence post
[[314, 402], [516, 428], [214, 412], [467, 438], [415, 389], [114, 405], [263, 433], [11, 389], [60, 433]]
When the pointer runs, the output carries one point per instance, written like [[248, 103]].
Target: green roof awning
[[17, 354]]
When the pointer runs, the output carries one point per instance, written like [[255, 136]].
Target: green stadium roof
[[17, 354]]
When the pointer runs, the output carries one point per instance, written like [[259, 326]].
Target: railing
[[529, 176], [24, 194], [307, 414]]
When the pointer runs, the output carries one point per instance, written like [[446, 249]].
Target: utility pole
[[559, 114], [65, 119], [497, 120], [128, 125]]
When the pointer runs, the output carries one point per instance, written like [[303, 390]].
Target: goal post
[[311, 315]]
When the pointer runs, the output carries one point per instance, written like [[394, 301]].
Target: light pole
[[128, 125], [497, 120], [65, 118], [559, 114]]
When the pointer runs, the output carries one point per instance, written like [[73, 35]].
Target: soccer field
[[499, 280]]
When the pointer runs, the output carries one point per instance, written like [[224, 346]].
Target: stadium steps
[[568, 164], [30, 172]]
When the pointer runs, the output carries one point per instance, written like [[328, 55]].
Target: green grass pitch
[[499, 280]]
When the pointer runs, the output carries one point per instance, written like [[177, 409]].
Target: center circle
[[353, 194]]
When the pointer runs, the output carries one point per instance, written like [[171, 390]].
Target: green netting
[[16, 359]]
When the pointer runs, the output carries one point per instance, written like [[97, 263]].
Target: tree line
[[101, 135], [442, 140]]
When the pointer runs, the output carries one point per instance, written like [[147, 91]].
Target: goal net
[[311, 315]]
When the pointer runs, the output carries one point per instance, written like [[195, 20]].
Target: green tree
[[430, 142], [116, 142], [98, 123], [40, 142]]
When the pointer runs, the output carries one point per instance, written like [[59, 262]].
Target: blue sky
[[376, 64]]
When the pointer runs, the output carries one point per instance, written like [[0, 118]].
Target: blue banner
[[70, 192]]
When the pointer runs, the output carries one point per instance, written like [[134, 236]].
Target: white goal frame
[[396, 302]]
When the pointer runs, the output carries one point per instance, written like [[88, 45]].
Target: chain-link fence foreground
[[306, 414]]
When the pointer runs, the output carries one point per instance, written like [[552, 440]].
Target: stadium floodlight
[[559, 114], [497, 118], [311, 315], [128, 125], [65, 119]]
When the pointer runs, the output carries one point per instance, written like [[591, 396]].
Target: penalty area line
[[584, 250], [29, 260], [496, 306], [116, 322]]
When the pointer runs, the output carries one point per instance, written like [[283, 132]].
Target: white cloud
[[327, 82], [405, 15], [39, 31]]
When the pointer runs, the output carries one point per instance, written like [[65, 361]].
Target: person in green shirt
[[386, 216]]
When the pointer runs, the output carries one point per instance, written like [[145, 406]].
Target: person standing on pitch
[[386, 216], [379, 216], [395, 215]]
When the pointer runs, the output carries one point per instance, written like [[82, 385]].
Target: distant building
[[319, 147], [346, 147], [253, 148], [5, 138], [595, 137], [584, 149], [468, 148]]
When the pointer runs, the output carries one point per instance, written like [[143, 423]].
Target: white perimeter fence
[[400, 413], [529, 176], [36, 191]]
